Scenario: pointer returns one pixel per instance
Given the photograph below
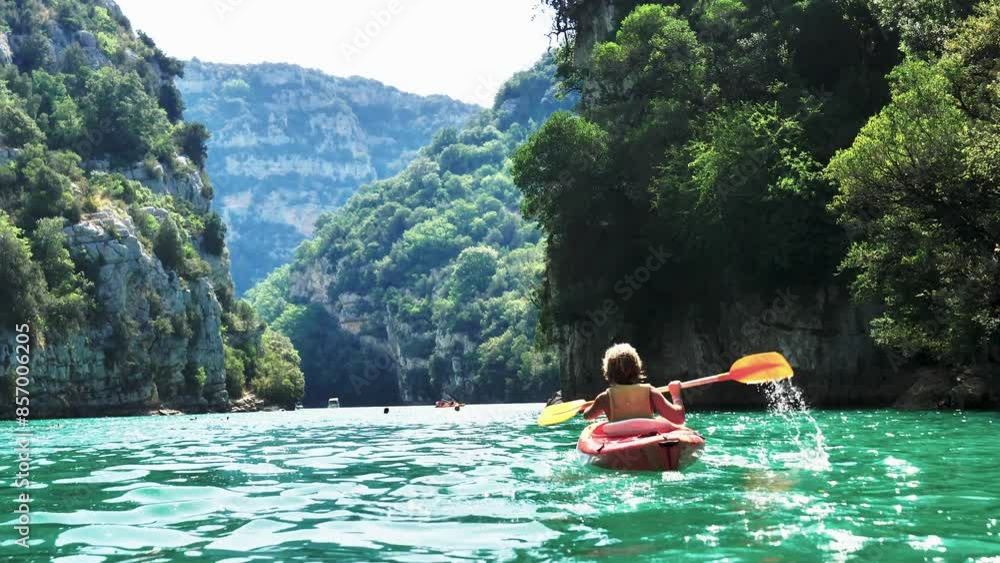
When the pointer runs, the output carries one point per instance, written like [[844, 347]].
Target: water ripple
[[422, 484]]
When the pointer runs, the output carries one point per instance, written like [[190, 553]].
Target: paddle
[[758, 368]]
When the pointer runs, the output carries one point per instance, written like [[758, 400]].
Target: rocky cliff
[[821, 332], [133, 318], [289, 143], [153, 329]]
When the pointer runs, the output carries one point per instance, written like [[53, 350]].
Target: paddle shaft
[[702, 381]]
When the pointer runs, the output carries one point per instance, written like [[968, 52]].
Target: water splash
[[785, 400]]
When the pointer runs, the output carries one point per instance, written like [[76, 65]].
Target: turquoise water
[[423, 484]]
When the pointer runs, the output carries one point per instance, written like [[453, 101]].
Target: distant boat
[[333, 403], [448, 404], [298, 406]]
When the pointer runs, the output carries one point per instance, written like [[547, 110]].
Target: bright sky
[[462, 48]]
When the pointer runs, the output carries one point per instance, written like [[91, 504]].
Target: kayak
[[640, 445]]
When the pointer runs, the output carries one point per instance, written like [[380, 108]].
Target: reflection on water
[[424, 484]]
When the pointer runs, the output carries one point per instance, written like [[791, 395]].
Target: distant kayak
[[447, 404], [640, 445]]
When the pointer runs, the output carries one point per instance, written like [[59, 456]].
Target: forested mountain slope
[[422, 283], [290, 143]]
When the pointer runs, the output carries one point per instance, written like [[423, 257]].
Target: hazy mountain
[[289, 143]]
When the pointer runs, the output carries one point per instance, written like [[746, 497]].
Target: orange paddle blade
[[761, 368]]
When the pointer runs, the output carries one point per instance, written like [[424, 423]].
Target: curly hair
[[622, 365]]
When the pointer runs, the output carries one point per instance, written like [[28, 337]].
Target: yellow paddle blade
[[761, 368], [555, 414]]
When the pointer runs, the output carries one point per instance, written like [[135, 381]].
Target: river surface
[[422, 484]]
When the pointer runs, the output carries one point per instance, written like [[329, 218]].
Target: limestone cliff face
[[151, 335], [154, 338], [593, 21], [152, 329], [819, 330], [290, 143], [351, 313], [389, 350]]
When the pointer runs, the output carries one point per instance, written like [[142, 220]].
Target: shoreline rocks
[[247, 403]]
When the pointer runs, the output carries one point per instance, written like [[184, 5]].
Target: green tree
[[269, 296], [16, 126], [730, 188], [919, 190], [172, 102], [235, 372], [35, 52], [279, 377], [57, 109], [474, 269], [75, 69], [47, 192], [125, 121], [560, 169], [214, 235], [192, 139], [22, 283], [169, 245], [194, 379]]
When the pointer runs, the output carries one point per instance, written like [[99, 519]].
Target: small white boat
[[333, 403]]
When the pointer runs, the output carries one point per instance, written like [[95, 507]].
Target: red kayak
[[641, 445]]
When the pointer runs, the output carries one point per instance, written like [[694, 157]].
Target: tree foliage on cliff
[[711, 127], [703, 129], [279, 378], [436, 263], [920, 190], [57, 110]]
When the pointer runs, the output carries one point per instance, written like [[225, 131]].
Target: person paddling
[[628, 396]]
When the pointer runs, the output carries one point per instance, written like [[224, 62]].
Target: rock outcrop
[[821, 332], [941, 388], [153, 334], [185, 183], [248, 403]]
